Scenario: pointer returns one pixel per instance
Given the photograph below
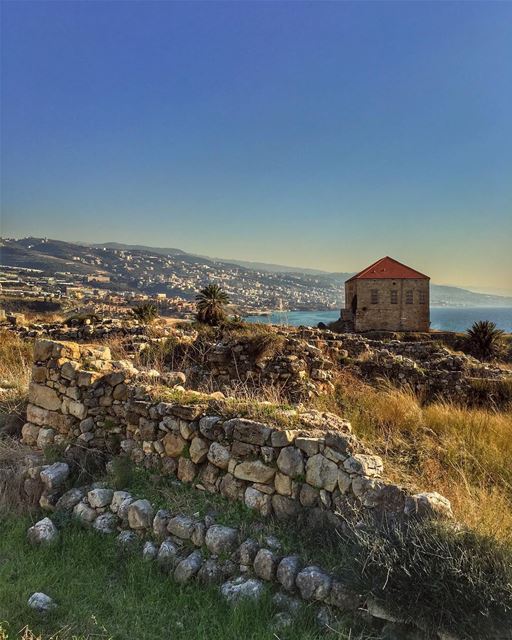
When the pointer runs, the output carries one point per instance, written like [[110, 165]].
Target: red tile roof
[[388, 268]]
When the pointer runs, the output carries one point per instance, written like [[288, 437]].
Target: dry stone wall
[[78, 394]]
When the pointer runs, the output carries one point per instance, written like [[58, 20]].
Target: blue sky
[[306, 133]]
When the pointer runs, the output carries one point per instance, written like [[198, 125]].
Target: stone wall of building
[[79, 395], [384, 315]]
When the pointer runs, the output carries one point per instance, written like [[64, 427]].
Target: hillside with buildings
[[114, 272]]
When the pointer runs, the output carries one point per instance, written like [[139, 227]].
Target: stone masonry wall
[[79, 395], [392, 317]]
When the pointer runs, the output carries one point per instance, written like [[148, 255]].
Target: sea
[[442, 318]]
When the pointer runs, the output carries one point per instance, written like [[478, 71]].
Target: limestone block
[[221, 539], [188, 568], [290, 462], [55, 475], [174, 444], [181, 527], [265, 564], [313, 583], [99, 498], [43, 532], [219, 455], [241, 589], [140, 514], [43, 396], [321, 472], [287, 572], [198, 450], [254, 471], [187, 470], [250, 431], [259, 501], [29, 433]]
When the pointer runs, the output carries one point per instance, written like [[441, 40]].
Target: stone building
[[387, 296]]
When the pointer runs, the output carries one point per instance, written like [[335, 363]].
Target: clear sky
[[305, 133]]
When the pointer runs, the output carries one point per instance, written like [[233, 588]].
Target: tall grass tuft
[[431, 573]]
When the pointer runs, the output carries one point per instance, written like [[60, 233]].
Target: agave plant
[[484, 340], [211, 303], [145, 313]]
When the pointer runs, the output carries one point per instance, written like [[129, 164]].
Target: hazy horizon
[[316, 135]]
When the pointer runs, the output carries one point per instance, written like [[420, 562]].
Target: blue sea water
[[442, 318]]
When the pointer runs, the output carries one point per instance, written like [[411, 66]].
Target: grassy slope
[[105, 594], [463, 453]]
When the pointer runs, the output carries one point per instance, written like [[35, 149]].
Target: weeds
[[15, 371], [430, 573], [12, 481]]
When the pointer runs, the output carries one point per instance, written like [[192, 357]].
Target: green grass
[[103, 593]]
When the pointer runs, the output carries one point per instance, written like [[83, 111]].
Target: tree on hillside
[[484, 340], [211, 303], [145, 313]]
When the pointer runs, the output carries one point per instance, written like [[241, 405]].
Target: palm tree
[[211, 302], [145, 313], [484, 339]]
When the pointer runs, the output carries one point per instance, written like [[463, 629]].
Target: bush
[[262, 341], [436, 576], [123, 472], [486, 392], [484, 340], [145, 313]]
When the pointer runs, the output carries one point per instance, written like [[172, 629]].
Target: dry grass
[[464, 453], [15, 370], [15, 359], [12, 493], [66, 633]]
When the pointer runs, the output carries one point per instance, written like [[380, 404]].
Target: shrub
[[123, 472], [484, 340], [435, 575], [145, 313], [486, 391], [262, 341], [12, 479], [53, 453]]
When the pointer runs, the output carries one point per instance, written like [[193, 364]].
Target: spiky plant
[[211, 305], [484, 340], [146, 313]]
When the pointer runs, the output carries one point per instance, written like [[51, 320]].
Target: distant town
[[115, 277]]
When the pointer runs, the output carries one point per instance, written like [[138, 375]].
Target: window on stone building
[[423, 297], [394, 297], [374, 296], [408, 297]]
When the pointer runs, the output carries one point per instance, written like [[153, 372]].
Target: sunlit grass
[[463, 453]]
